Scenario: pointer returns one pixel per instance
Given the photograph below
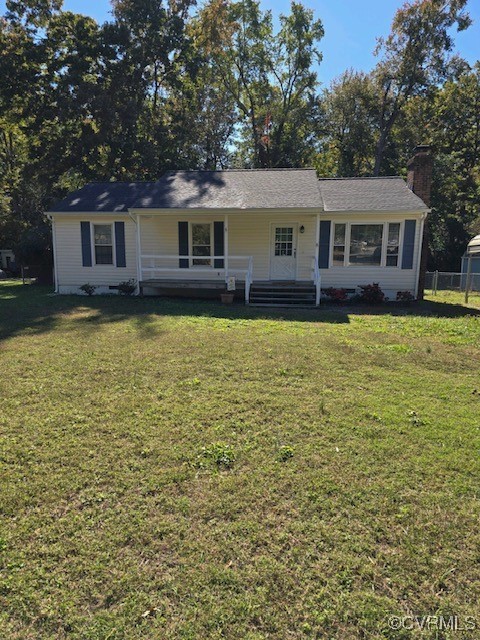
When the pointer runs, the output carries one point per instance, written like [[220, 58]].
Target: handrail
[[316, 281], [188, 256], [224, 271]]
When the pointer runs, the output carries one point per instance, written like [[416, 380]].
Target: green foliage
[[88, 288], [285, 452], [218, 455], [127, 287]]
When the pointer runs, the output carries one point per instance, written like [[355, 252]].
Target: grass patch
[[186, 470]]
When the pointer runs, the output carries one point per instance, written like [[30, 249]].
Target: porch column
[[225, 245], [317, 238]]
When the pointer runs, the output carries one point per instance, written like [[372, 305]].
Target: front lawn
[[186, 470]]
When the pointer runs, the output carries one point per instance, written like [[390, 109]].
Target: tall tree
[[269, 76], [415, 58]]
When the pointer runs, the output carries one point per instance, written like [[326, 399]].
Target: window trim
[[383, 261], [93, 245], [190, 246]]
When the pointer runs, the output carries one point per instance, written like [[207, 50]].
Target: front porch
[[261, 257]]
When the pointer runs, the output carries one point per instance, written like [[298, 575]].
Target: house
[[274, 235], [7, 260]]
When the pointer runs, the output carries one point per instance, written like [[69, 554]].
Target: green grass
[[186, 470]]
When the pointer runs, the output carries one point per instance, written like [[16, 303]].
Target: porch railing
[[153, 266], [316, 281]]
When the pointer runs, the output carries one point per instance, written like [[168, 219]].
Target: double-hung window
[[368, 245], [201, 244], [393, 244], [103, 243]]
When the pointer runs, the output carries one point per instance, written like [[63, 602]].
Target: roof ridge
[[239, 170], [364, 178]]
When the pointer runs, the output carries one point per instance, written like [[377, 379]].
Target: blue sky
[[351, 29]]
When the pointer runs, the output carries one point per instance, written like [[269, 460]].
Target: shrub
[[405, 296], [336, 295], [88, 288], [285, 453], [127, 288], [371, 293], [217, 455]]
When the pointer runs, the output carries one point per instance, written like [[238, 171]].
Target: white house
[[276, 235]]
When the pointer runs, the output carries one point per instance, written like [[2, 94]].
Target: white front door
[[283, 252]]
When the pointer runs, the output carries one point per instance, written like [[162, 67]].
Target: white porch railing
[[160, 267], [316, 281]]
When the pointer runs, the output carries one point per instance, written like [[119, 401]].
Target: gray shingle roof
[[245, 189], [102, 196], [234, 189], [369, 194]]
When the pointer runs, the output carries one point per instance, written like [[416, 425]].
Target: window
[[366, 244], [393, 244], [339, 245], [201, 243], [284, 241], [355, 244], [103, 243]]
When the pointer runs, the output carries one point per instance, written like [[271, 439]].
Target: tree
[[415, 59], [350, 112], [269, 77]]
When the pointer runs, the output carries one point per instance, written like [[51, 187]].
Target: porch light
[[302, 229]]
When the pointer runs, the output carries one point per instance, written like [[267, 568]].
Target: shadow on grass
[[35, 310]]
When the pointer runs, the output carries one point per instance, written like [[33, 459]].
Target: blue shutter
[[86, 244], [218, 243], [183, 244], [324, 244], [408, 244], [120, 244]]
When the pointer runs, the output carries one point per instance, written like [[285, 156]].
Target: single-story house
[[273, 235]]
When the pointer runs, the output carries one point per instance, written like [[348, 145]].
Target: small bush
[[405, 296], [371, 294], [88, 288], [127, 288], [336, 295], [221, 456], [284, 453]]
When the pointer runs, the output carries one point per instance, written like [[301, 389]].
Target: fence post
[[469, 277]]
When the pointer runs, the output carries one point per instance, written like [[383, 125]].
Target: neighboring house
[[471, 265], [7, 259], [278, 235]]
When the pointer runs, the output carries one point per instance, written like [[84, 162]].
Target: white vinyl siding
[[390, 279], [70, 270], [249, 234]]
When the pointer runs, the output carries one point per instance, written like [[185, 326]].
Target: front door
[[283, 252]]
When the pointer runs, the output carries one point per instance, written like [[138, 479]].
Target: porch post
[[225, 245], [317, 238]]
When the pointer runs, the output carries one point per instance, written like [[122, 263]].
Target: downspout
[[136, 222], [54, 246]]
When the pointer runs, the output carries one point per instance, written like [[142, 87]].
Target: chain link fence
[[450, 281]]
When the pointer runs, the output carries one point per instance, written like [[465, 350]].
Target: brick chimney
[[419, 180], [419, 177]]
